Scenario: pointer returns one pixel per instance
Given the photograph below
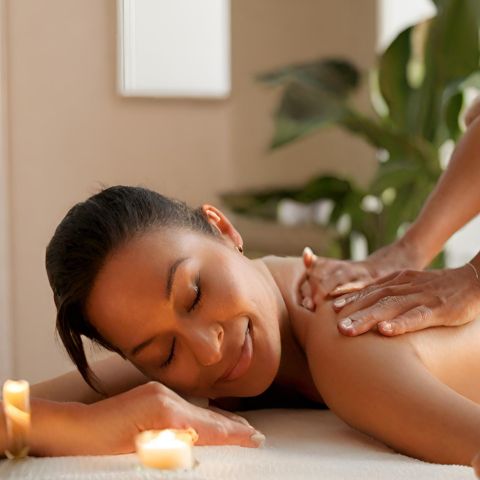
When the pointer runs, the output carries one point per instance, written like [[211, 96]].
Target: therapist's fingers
[[417, 318], [309, 257], [373, 292], [339, 276], [350, 287], [305, 293], [357, 285], [387, 308]]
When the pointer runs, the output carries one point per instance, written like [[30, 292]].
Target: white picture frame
[[174, 48]]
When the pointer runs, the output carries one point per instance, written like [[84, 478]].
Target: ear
[[223, 225]]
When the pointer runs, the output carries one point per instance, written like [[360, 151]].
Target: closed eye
[[170, 358], [198, 295]]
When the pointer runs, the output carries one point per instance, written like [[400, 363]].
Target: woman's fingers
[[217, 428], [231, 416]]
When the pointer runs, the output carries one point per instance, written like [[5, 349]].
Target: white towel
[[301, 444]]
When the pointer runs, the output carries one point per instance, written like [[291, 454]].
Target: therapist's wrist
[[475, 265], [400, 255], [417, 251]]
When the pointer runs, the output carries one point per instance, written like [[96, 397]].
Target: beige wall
[[271, 33], [69, 131]]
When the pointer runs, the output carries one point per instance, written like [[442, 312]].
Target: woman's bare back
[[451, 354]]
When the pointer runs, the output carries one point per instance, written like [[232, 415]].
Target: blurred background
[[217, 101]]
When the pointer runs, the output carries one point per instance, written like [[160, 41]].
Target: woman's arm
[[115, 374], [381, 387], [108, 427]]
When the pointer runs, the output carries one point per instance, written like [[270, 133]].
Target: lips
[[242, 364]]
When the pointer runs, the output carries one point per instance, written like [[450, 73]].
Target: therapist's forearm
[[454, 201]]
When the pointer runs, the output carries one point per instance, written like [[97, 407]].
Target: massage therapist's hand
[[330, 277], [411, 300], [108, 427]]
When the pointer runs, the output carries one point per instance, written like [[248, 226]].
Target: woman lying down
[[169, 289]]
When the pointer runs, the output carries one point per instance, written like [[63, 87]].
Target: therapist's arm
[[454, 201]]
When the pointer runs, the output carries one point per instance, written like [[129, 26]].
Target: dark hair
[[91, 231]]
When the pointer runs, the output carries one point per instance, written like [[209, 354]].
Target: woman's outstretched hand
[[108, 427], [411, 300]]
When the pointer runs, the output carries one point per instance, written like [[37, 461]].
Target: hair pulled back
[[88, 234]]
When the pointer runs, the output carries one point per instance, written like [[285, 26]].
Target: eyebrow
[[171, 276], [168, 293]]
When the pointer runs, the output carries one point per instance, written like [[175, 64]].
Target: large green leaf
[[397, 143], [392, 77], [336, 76], [451, 114], [314, 96], [304, 109], [472, 81], [395, 175], [451, 53], [325, 187]]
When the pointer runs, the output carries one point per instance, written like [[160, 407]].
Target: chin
[[260, 379]]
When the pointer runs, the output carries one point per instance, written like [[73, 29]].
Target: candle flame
[[15, 386], [167, 437]]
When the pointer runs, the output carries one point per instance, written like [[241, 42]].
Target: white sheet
[[301, 444]]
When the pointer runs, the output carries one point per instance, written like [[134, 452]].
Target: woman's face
[[191, 312]]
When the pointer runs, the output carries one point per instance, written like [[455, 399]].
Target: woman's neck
[[281, 274]]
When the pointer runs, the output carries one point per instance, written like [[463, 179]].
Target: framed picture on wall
[[174, 48]]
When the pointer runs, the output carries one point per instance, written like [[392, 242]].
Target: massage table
[[301, 444]]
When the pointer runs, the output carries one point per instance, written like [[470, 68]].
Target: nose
[[207, 343]]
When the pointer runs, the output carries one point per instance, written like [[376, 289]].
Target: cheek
[[182, 375]]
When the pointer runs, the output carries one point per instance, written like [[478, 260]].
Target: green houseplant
[[417, 93]]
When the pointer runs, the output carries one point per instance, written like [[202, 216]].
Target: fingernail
[[340, 302], [308, 251], [242, 420], [386, 327], [258, 438], [307, 303], [347, 323]]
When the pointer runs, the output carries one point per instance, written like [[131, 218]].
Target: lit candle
[[16, 405], [166, 449]]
